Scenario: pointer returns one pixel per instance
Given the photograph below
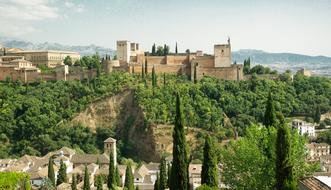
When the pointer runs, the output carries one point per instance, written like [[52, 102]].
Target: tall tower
[[222, 53], [110, 145], [123, 51]]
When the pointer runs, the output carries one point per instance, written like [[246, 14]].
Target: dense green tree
[[284, 167], [86, 185], [163, 174], [51, 174], [129, 178], [209, 173], [160, 51], [117, 177], [165, 50], [247, 66], [157, 182], [111, 172], [74, 182], [62, 174], [317, 114], [67, 60], [270, 114], [99, 182], [179, 170]]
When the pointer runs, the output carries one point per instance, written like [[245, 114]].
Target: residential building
[[316, 150], [304, 128], [50, 58]]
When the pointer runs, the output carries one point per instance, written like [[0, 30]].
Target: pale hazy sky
[[297, 26]]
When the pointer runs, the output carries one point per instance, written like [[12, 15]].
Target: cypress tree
[[176, 50], [157, 182], [62, 175], [51, 174], [129, 178], [284, 168], [99, 183], [86, 185], [117, 177], [111, 172], [74, 182], [317, 114], [142, 71], [137, 188], [209, 173], [154, 80], [195, 74], [179, 170], [98, 162], [270, 114], [164, 79], [163, 174], [153, 49], [169, 175], [146, 68]]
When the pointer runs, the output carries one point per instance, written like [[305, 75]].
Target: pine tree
[[157, 182], [117, 177], [51, 174], [163, 174], [284, 168], [176, 49], [209, 173], [99, 183], [317, 114], [62, 175], [86, 185], [179, 170], [270, 114], [129, 178], [74, 182], [111, 172]]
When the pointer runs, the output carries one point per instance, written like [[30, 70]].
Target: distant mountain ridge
[[260, 56], [319, 65], [83, 50]]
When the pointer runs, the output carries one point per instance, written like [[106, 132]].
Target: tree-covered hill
[[34, 118]]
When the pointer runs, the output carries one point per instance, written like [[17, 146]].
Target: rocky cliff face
[[121, 113]]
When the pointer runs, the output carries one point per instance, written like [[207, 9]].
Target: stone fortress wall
[[218, 65]]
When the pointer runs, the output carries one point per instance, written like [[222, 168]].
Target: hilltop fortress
[[219, 65], [22, 65]]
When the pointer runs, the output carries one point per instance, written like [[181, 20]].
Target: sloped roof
[[152, 166], [141, 172], [64, 186], [110, 140], [89, 158], [313, 183]]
